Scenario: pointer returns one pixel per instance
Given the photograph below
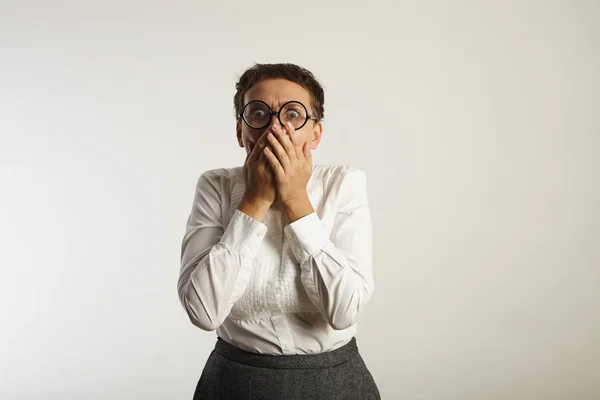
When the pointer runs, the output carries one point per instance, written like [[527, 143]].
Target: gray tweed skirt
[[231, 373]]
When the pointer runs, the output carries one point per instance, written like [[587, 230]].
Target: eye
[[292, 115], [258, 114]]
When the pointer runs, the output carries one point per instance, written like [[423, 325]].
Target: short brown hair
[[290, 72]]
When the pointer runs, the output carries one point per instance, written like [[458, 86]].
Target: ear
[[316, 135], [238, 132]]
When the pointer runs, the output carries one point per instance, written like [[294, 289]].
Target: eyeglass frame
[[278, 113]]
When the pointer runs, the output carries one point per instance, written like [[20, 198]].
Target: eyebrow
[[308, 106]]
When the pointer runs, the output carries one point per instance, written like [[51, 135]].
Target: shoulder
[[338, 174], [218, 179], [344, 185], [220, 174]]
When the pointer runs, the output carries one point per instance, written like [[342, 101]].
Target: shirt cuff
[[307, 235], [244, 234]]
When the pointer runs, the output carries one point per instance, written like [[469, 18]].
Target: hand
[[258, 174], [291, 161]]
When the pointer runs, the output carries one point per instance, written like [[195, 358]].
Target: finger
[[249, 152], [262, 159], [260, 145], [279, 150], [289, 130], [286, 142], [293, 136], [274, 162]]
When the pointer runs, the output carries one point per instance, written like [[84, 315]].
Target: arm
[[216, 264], [336, 271]]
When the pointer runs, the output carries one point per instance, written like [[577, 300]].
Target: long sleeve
[[216, 264], [336, 271]]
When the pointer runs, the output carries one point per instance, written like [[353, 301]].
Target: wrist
[[254, 207], [297, 208]]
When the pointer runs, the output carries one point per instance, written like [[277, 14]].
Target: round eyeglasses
[[257, 114]]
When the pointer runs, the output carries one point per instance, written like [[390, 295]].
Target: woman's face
[[276, 92]]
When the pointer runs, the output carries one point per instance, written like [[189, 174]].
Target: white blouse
[[274, 287]]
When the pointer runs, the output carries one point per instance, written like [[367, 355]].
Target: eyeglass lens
[[258, 115]]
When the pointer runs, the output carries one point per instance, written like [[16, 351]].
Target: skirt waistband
[[297, 361]]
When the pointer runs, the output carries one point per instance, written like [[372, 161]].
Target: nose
[[274, 122]]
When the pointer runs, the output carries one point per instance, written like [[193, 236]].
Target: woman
[[277, 254]]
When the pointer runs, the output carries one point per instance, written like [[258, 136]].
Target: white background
[[477, 124]]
